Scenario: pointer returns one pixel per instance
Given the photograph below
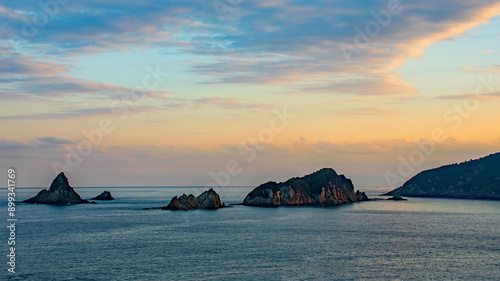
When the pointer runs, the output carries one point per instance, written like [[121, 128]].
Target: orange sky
[[173, 96]]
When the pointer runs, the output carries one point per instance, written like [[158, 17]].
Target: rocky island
[[106, 195], [207, 200], [474, 179], [59, 193], [322, 188]]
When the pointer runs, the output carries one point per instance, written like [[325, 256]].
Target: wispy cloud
[[57, 86], [493, 69], [7, 145], [52, 140], [379, 85], [12, 64], [81, 112], [71, 112], [231, 103], [24, 75], [489, 96], [373, 111]]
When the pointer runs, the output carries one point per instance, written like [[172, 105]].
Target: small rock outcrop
[[474, 179], [322, 188], [397, 198], [106, 195], [59, 193], [207, 200]]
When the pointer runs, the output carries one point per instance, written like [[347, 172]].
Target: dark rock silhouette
[[397, 198], [59, 193], [322, 188], [207, 200], [106, 195], [474, 179]]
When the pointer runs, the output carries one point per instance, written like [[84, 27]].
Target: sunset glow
[[153, 94]]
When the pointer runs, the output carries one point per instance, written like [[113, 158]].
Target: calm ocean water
[[421, 239]]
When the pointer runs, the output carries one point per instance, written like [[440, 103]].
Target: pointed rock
[[59, 193], [209, 199]]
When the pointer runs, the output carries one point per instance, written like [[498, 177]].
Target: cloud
[[489, 96], [59, 86], [231, 103], [24, 75], [132, 107], [468, 69], [280, 42], [94, 25], [84, 112], [11, 149], [486, 69], [372, 111], [54, 141], [12, 64], [6, 145], [299, 44], [379, 85]]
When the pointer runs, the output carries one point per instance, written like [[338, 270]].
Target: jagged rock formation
[[59, 193], [106, 195], [207, 200], [322, 188], [474, 179]]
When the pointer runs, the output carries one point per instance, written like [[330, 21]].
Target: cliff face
[[59, 193], [106, 195], [207, 200], [322, 188], [475, 179]]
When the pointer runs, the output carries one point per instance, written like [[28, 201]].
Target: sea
[[418, 239]]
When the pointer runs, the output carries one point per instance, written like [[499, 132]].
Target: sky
[[237, 92]]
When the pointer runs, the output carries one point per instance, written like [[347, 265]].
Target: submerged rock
[[207, 200], [322, 188], [397, 198], [106, 195], [59, 193]]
